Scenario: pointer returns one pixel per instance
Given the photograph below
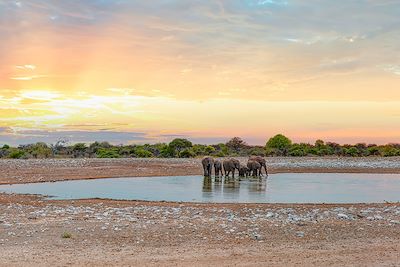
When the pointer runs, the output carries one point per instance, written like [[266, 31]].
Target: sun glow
[[212, 77]]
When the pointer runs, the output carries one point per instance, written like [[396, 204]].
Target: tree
[[236, 144], [278, 145], [6, 146], [79, 150], [179, 144]]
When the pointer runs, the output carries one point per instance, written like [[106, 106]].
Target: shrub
[[209, 150], [107, 153], [142, 153], [66, 235], [17, 154], [389, 151], [257, 151], [187, 153], [6, 146], [351, 151], [79, 150]]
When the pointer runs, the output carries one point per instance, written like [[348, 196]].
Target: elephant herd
[[227, 166]]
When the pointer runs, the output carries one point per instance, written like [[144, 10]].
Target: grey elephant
[[254, 167], [218, 167], [207, 162], [230, 165], [262, 161], [243, 171]]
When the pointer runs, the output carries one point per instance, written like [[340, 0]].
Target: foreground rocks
[[147, 233]]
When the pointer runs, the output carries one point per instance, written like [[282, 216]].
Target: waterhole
[[277, 188]]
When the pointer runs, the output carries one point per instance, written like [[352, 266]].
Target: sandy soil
[[133, 233]]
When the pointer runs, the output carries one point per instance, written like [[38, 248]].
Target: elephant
[[254, 167], [230, 165], [262, 161], [207, 162], [218, 167], [243, 171]]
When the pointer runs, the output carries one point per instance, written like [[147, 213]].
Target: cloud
[[395, 69], [26, 67], [27, 78]]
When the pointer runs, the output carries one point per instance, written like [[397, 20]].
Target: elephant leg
[[204, 171], [266, 172]]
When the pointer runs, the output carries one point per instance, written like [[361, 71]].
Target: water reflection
[[228, 187]]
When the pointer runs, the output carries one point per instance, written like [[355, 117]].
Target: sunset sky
[[149, 71]]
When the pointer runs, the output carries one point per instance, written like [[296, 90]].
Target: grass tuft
[[66, 235]]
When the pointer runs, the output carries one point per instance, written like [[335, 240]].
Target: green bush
[[108, 153], [142, 153], [187, 153], [389, 151], [6, 147], [179, 144], [278, 145], [351, 151], [17, 154], [66, 235]]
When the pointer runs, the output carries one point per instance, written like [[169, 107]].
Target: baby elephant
[[207, 162], [243, 171], [218, 167], [254, 167]]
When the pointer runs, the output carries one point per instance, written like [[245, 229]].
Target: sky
[[150, 71]]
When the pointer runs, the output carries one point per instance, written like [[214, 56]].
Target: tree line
[[279, 145]]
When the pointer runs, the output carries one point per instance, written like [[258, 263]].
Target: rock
[[343, 216], [257, 236], [300, 234], [270, 215]]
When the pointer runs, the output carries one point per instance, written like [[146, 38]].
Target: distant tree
[[79, 150], [236, 144], [39, 150], [278, 145], [5, 146], [179, 144]]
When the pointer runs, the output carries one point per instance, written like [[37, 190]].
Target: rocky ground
[[96, 232]]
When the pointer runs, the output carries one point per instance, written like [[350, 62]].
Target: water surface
[[278, 188]]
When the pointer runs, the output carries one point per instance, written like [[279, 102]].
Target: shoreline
[[51, 170]]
